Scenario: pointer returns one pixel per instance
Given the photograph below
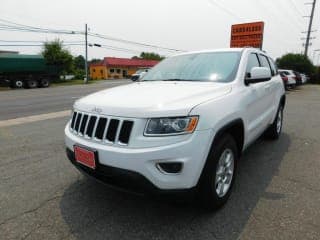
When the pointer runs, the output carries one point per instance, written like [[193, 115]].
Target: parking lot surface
[[24, 102], [42, 196]]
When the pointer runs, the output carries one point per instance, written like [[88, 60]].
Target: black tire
[[208, 196], [274, 131], [44, 83], [16, 84], [32, 84]]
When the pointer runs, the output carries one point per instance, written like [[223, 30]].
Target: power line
[[18, 26], [35, 45], [119, 49], [34, 41], [213, 2], [295, 7], [13, 26], [132, 42]]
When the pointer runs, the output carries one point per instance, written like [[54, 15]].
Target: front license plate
[[85, 157]]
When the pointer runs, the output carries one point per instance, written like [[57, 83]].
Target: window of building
[[101, 71], [94, 70], [111, 70], [118, 70]]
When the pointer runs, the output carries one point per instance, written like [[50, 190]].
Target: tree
[[296, 62], [55, 54], [96, 60], [79, 62], [149, 56]]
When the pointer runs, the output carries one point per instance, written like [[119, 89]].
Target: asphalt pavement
[[25, 102], [42, 196]]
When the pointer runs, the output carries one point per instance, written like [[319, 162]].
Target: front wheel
[[219, 173], [16, 84]]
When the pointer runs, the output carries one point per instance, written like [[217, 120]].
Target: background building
[[112, 67]]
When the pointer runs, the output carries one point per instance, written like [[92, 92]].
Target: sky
[[178, 24]]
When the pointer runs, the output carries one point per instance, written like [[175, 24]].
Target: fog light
[[170, 167]]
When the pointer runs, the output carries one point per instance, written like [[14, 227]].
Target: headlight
[[170, 126]]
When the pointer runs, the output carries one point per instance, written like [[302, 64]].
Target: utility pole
[[309, 29], [86, 62]]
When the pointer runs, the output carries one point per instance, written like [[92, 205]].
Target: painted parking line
[[34, 118]]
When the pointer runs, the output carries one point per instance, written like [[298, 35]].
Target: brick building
[[112, 67]]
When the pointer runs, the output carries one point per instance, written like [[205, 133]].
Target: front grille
[[100, 128]]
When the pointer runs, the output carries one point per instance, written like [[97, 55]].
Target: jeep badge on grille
[[97, 110]]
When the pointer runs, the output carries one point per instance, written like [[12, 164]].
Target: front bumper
[[128, 181], [191, 152]]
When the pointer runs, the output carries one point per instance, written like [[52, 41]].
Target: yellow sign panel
[[247, 35]]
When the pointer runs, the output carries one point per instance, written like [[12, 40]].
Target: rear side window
[[252, 62], [264, 61], [274, 69]]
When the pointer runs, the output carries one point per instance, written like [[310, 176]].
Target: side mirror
[[142, 75], [257, 75]]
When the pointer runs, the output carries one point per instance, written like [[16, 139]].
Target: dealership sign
[[247, 35]]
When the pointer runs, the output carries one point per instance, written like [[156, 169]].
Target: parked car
[[284, 80], [139, 74], [183, 128], [291, 82], [304, 78], [298, 78]]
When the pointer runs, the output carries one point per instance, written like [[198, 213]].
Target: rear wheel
[[44, 83], [219, 173], [32, 83], [274, 131]]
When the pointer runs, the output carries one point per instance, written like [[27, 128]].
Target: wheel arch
[[236, 129]]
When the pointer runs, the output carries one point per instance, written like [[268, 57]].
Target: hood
[[152, 98]]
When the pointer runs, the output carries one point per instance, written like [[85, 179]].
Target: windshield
[[212, 66]]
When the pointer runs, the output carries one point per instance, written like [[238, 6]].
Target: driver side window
[[253, 61]]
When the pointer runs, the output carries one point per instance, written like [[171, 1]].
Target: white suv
[[183, 127]]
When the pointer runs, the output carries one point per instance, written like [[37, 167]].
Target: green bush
[[79, 74]]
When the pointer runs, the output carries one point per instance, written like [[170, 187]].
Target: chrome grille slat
[[112, 130], [95, 128], [83, 124], [80, 124], [105, 130], [86, 127], [118, 131], [73, 119]]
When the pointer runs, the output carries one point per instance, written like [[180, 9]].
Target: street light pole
[[86, 47]]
